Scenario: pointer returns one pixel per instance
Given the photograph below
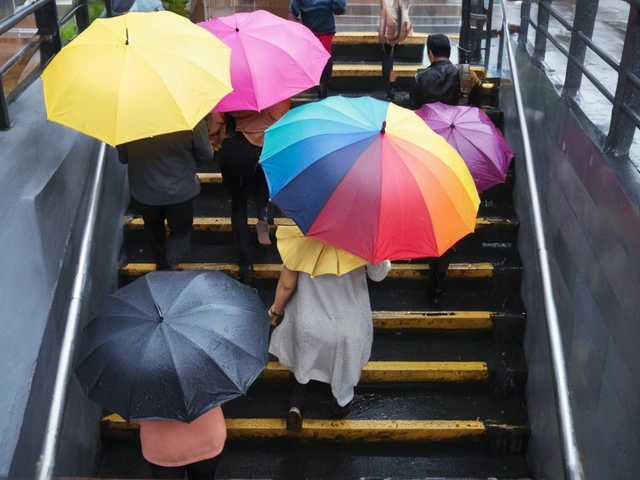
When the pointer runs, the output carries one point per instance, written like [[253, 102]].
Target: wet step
[[378, 415], [406, 271], [214, 199], [400, 372], [490, 232], [294, 459]]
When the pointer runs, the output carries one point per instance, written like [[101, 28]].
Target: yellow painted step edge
[[459, 320], [455, 372], [340, 430], [272, 270], [223, 224]]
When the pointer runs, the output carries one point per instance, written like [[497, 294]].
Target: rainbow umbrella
[[272, 59], [474, 136], [369, 177]]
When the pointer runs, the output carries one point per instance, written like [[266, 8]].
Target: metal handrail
[[46, 462], [570, 455], [12, 20]]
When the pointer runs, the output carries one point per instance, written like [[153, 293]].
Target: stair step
[[343, 430], [414, 271], [401, 372], [223, 224]]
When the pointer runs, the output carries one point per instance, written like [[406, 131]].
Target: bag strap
[[466, 82]]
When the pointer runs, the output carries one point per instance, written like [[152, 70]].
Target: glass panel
[[10, 44]]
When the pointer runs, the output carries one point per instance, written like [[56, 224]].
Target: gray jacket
[[162, 169]]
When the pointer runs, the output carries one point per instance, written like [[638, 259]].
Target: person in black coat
[[163, 180]]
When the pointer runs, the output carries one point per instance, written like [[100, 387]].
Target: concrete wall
[[591, 208], [45, 175]]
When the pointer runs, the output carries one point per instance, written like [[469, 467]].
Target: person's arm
[[202, 149], [295, 8], [415, 95], [286, 286], [339, 6], [123, 157], [379, 271], [216, 129]]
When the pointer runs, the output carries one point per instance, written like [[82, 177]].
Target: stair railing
[[572, 465], [48, 42], [64, 370]]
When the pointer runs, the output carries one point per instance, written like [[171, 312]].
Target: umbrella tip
[[384, 126], [453, 125], [237, 29], [127, 33]]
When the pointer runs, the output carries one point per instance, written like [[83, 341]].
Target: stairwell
[[443, 393]]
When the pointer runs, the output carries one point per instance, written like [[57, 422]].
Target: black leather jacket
[[440, 82]]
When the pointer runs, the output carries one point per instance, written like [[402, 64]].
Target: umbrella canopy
[[136, 76], [369, 177], [272, 59], [472, 133], [308, 255], [173, 345]]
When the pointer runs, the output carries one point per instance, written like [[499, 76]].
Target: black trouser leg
[[203, 470], [324, 79], [153, 216], [180, 221], [387, 67], [261, 194], [297, 394], [240, 229], [167, 472]]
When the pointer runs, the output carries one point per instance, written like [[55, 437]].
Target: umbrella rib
[[135, 381], [198, 346], [213, 333]]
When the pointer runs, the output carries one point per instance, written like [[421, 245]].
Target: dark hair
[[439, 45]]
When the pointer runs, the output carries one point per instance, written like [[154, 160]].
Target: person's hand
[[276, 317]]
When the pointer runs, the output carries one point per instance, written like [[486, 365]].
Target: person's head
[[438, 46]]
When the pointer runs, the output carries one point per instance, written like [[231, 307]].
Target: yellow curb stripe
[[368, 70], [337, 430], [223, 224], [455, 372], [409, 271], [390, 320], [371, 38]]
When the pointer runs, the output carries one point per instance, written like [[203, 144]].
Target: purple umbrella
[[472, 133]]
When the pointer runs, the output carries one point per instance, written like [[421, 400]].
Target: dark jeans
[[179, 216], [242, 175], [387, 66], [441, 263], [203, 470]]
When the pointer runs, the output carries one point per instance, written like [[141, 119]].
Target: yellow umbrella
[[136, 76], [305, 254]]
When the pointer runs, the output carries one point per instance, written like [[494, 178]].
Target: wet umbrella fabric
[[272, 59], [135, 76], [369, 177], [474, 136], [173, 345]]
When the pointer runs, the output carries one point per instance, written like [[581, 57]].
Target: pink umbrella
[[272, 59], [472, 133]]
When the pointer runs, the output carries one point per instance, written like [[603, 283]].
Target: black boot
[[435, 289]]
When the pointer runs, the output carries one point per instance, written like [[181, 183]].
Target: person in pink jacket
[[176, 448]]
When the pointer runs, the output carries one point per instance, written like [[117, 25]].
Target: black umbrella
[[173, 345]]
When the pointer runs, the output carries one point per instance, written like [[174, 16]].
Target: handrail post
[[47, 23], [525, 13], [5, 121], [584, 21], [622, 128], [82, 16], [540, 46]]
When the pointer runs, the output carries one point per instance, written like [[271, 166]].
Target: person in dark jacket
[[440, 82], [163, 180], [318, 16]]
